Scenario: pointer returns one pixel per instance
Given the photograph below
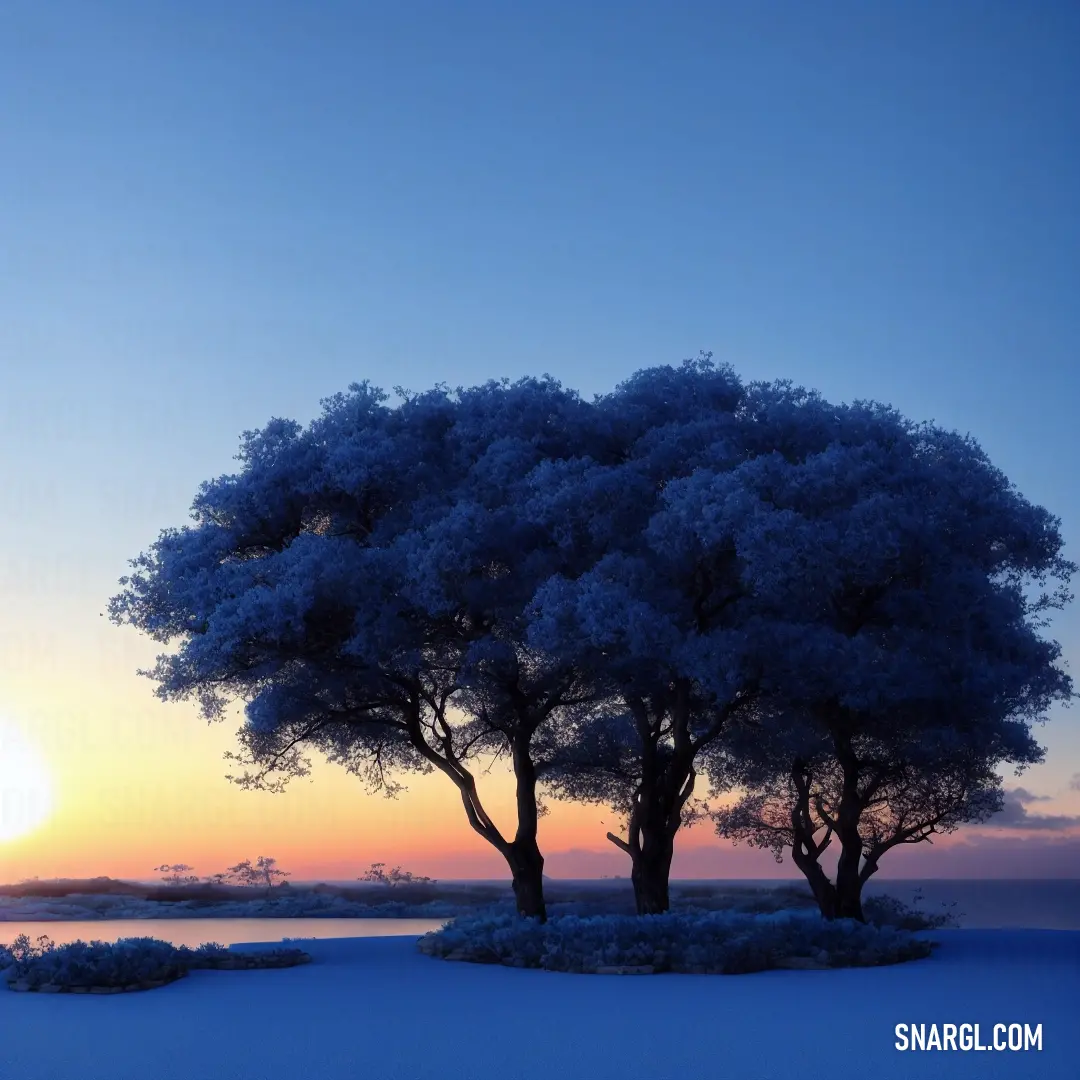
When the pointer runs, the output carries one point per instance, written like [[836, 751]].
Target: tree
[[379, 875], [264, 872], [484, 560], [639, 753], [655, 619], [177, 874], [609, 595], [346, 585], [906, 794], [898, 565]]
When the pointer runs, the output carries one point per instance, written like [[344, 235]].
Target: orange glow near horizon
[[137, 783]]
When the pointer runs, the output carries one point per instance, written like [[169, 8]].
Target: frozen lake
[[192, 932]]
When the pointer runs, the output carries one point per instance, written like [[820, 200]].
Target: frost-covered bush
[[82, 965], [699, 942], [889, 911], [127, 964], [212, 955]]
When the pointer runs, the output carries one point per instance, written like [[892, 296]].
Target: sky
[[215, 214]]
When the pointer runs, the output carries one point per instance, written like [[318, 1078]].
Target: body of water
[[1001, 904], [192, 932]]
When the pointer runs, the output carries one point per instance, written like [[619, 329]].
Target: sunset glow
[[221, 220], [26, 796]]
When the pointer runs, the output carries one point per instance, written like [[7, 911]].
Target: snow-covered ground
[[375, 1008]]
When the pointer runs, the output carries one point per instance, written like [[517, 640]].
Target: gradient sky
[[211, 214]]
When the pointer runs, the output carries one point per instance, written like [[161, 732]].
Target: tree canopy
[[911, 559], [357, 584], [827, 608]]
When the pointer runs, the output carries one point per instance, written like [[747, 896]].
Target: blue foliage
[[697, 942], [611, 594], [97, 963], [127, 963]]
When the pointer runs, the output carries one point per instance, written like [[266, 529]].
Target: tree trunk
[[522, 854], [850, 907], [527, 869], [666, 785], [526, 862], [823, 889], [805, 850], [848, 866], [658, 819], [651, 873], [664, 795], [849, 885], [849, 888]]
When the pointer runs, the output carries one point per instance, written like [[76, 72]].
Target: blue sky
[[215, 213]]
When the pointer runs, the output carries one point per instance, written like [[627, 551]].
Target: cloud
[[1036, 855], [1074, 783], [1025, 796], [1032, 853], [1015, 815]]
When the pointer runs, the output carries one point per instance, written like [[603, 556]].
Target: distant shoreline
[[996, 903]]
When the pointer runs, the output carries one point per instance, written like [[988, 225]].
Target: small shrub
[[204, 955], [127, 964], [698, 942], [889, 911], [83, 966], [216, 957]]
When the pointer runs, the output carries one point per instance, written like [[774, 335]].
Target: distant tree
[[375, 874], [243, 873], [263, 872], [378, 874], [899, 565], [177, 874]]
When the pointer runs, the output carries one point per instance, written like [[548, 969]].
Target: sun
[[26, 796]]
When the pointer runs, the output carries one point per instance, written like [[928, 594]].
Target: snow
[[376, 1008]]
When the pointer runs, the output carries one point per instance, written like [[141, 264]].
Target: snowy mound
[[697, 942]]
